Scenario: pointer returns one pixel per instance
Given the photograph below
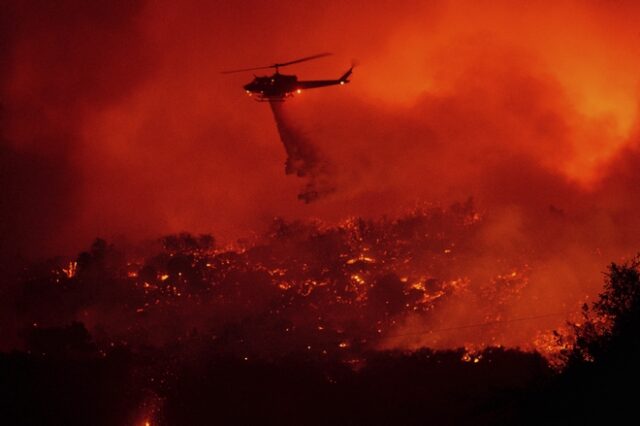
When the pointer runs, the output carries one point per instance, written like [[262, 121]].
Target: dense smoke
[[128, 99], [61, 63]]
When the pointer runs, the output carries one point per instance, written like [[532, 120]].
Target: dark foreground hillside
[[122, 387], [65, 375]]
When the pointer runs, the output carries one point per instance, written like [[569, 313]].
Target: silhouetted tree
[[186, 242], [602, 372], [612, 325]]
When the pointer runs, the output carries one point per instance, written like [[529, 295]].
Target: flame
[[71, 269], [361, 258]]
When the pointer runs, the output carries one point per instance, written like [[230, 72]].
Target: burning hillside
[[363, 285]]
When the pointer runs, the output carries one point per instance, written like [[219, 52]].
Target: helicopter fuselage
[[278, 87], [275, 86]]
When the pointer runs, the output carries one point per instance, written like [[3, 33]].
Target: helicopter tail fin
[[345, 76]]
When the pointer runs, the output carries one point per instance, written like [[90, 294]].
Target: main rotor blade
[[247, 69], [308, 58]]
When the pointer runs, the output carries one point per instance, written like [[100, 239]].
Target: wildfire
[[334, 290]]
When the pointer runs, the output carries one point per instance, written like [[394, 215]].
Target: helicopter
[[278, 87]]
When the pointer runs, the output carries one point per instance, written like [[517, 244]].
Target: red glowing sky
[[117, 121]]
